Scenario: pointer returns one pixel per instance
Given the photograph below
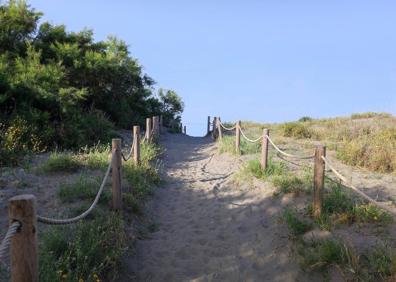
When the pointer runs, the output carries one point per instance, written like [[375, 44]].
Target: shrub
[[227, 145], [340, 208], [142, 178], [289, 183], [295, 225], [83, 188], [60, 162], [85, 251], [366, 115], [375, 151], [95, 157], [305, 119], [253, 167], [380, 262], [371, 214], [86, 129], [296, 130], [20, 137], [320, 254]]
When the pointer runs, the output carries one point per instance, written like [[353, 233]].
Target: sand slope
[[208, 229]]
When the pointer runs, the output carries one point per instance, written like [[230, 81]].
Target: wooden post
[[238, 137], [318, 181], [264, 149], [181, 128], [161, 124], [157, 120], [155, 126], [136, 148], [185, 130], [148, 129], [219, 128], [208, 131], [24, 255], [214, 129], [116, 174]]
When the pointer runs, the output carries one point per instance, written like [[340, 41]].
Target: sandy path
[[208, 229]]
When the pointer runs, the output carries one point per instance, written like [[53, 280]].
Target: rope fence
[[53, 221], [287, 154], [320, 162], [5, 244], [346, 183], [23, 217], [248, 139]]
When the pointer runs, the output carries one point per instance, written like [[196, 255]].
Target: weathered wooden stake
[[157, 118], [148, 129], [155, 126], [318, 181], [208, 131], [161, 124], [214, 129], [24, 259], [264, 149], [136, 148], [116, 174], [238, 137], [219, 128]]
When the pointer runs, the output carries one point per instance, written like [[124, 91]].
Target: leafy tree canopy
[[60, 88]]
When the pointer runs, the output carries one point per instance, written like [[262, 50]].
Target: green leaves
[[80, 87]]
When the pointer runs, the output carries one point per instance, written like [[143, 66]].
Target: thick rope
[[126, 158], [53, 221], [12, 230], [286, 154], [227, 128], [248, 139], [346, 183]]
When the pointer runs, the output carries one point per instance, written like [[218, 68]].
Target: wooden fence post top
[[24, 197], [17, 202], [320, 150], [116, 141]]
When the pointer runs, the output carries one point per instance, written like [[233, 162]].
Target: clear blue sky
[[267, 61]]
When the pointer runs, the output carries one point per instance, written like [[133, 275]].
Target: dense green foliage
[[60, 88], [91, 250]]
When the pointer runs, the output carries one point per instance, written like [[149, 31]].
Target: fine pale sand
[[208, 228]]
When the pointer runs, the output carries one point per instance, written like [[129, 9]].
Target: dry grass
[[365, 140]]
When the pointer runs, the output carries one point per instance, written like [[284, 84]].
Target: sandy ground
[[208, 229]]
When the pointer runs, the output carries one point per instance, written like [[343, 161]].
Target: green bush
[[296, 130], [380, 263], [61, 89], [340, 208], [273, 169], [60, 162], [296, 226], [320, 254], [305, 119], [95, 157], [290, 183], [376, 152], [83, 188], [86, 251]]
